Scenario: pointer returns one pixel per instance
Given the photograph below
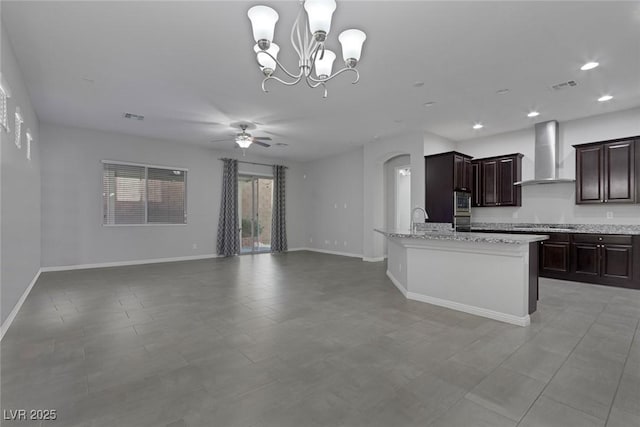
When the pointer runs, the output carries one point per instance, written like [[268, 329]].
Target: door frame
[[255, 194]]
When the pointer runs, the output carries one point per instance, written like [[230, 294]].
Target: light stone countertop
[[559, 228], [463, 236]]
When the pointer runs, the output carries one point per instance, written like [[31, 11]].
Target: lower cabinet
[[606, 259], [555, 256]]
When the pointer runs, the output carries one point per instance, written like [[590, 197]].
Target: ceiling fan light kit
[[308, 42]]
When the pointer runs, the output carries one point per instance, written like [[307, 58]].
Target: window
[[4, 120], [18, 128], [140, 194], [29, 141]]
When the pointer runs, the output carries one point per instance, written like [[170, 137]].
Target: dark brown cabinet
[[605, 259], [462, 172], [476, 185], [608, 171], [444, 174], [496, 178], [555, 256]]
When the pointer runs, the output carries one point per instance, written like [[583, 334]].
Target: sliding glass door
[[255, 199]]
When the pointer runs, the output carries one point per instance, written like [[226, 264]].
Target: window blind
[[136, 194], [166, 196], [3, 109]]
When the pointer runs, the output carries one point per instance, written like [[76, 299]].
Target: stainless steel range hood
[[547, 158]]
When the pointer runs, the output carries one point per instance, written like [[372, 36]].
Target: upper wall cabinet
[[444, 174], [608, 171], [495, 177]]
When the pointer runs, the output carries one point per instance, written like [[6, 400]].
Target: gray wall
[[555, 203], [20, 191], [334, 205], [72, 230]]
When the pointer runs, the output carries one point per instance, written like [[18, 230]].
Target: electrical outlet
[[345, 243], [335, 243], [335, 206], [310, 239], [195, 246], [400, 267], [326, 242], [345, 206], [609, 215], [514, 215]]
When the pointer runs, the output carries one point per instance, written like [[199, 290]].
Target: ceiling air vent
[[564, 85], [132, 116]]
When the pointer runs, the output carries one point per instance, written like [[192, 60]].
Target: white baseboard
[[397, 283], [374, 259], [124, 263], [9, 320], [478, 311]]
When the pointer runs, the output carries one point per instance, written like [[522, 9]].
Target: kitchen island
[[487, 274]]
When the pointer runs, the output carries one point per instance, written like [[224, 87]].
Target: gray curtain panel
[[278, 219], [228, 243]]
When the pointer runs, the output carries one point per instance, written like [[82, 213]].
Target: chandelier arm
[[314, 55], [315, 84], [337, 73], [293, 76], [295, 29], [292, 83]]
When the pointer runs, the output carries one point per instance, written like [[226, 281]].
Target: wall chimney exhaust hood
[[547, 155]]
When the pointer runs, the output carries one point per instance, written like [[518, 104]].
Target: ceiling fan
[[245, 139]]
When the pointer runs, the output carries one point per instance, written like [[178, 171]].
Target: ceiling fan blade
[[262, 138], [262, 144], [221, 140]]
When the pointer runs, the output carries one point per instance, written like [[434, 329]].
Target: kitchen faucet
[[413, 214]]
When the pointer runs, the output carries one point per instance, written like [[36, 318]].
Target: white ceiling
[[189, 68]]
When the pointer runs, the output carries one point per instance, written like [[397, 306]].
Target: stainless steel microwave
[[461, 203]]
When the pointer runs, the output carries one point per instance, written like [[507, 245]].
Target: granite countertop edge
[[559, 228], [464, 236]]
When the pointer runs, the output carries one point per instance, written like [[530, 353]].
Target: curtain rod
[[252, 163]]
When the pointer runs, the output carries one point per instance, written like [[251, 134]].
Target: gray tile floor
[[307, 339]]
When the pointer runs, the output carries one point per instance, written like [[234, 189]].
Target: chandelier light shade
[[320, 13], [263, 20], [325, 64], [308, 38], [267, 62], [351, 41]]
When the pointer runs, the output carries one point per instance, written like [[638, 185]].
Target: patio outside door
[[255, 203]]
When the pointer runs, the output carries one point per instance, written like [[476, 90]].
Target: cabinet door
[[458, 173], [589, 174], [476, 187], [468, 176], [506, 178], [554, 257], [619, 177], [617, 261], [586, 259], [489, 183]]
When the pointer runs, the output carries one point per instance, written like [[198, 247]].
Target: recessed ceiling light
[[589, 66], [605, 98], [429, 104], [502, 91], [533, 114], [418, 84], [478, 126]]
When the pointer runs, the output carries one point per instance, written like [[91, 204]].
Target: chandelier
[[309, 44]]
